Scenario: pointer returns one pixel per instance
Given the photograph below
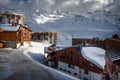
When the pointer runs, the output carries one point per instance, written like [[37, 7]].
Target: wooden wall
[[73, 56], [24, 34], [76, 41], [2, 44], [112, 43], [8, 36], [20, 36], [110, 68]]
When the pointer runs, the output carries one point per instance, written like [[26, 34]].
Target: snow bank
[[36, 52], [95, 55]]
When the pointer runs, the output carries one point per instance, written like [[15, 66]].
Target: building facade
[[76, 41], [11, 18], [71, 61], [13, 31], [51, 37], [112, 67], [112, 43], [112, 64], [94, 41]]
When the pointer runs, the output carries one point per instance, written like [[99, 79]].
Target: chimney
[[84, 43]]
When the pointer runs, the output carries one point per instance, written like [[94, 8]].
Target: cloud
[[66, 5], [71, 2], [50, 2], [114, 7]]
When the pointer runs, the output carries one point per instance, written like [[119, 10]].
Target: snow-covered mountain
[[105, 15], [100, 24], [68, 25]]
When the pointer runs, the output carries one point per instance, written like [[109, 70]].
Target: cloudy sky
[[65, 5]]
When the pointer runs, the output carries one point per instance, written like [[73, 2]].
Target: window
[[91, 65], [115, 67], [71, 52], [55, 58], [62, 57], [75, 74], [86, 72], [67, 57], [64, 70], [68, 71], [60, 68], [72, 59], [84, 63], [1, 19], [71, 66], [64, 51], [85, 79]]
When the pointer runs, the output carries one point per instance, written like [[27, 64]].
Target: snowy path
[[5, 66], [15, 65], [24, 68]]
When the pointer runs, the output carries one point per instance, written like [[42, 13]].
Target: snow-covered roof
[[113, 54], [58, 47], [95, 55], [10, 12], [9, 27]]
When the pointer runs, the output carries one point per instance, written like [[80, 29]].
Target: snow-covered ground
[[25, 64], [5, 66], [36, 51]]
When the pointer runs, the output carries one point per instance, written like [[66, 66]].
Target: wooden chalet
[[72, 61], [13, 31], [15, 36]]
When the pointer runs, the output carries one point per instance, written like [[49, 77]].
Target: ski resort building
[[84, 62], [112, 64], [76, 41], [11, 18], [112, 57], [112, 43], [13, 31], [51, 37], [94, 41]]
